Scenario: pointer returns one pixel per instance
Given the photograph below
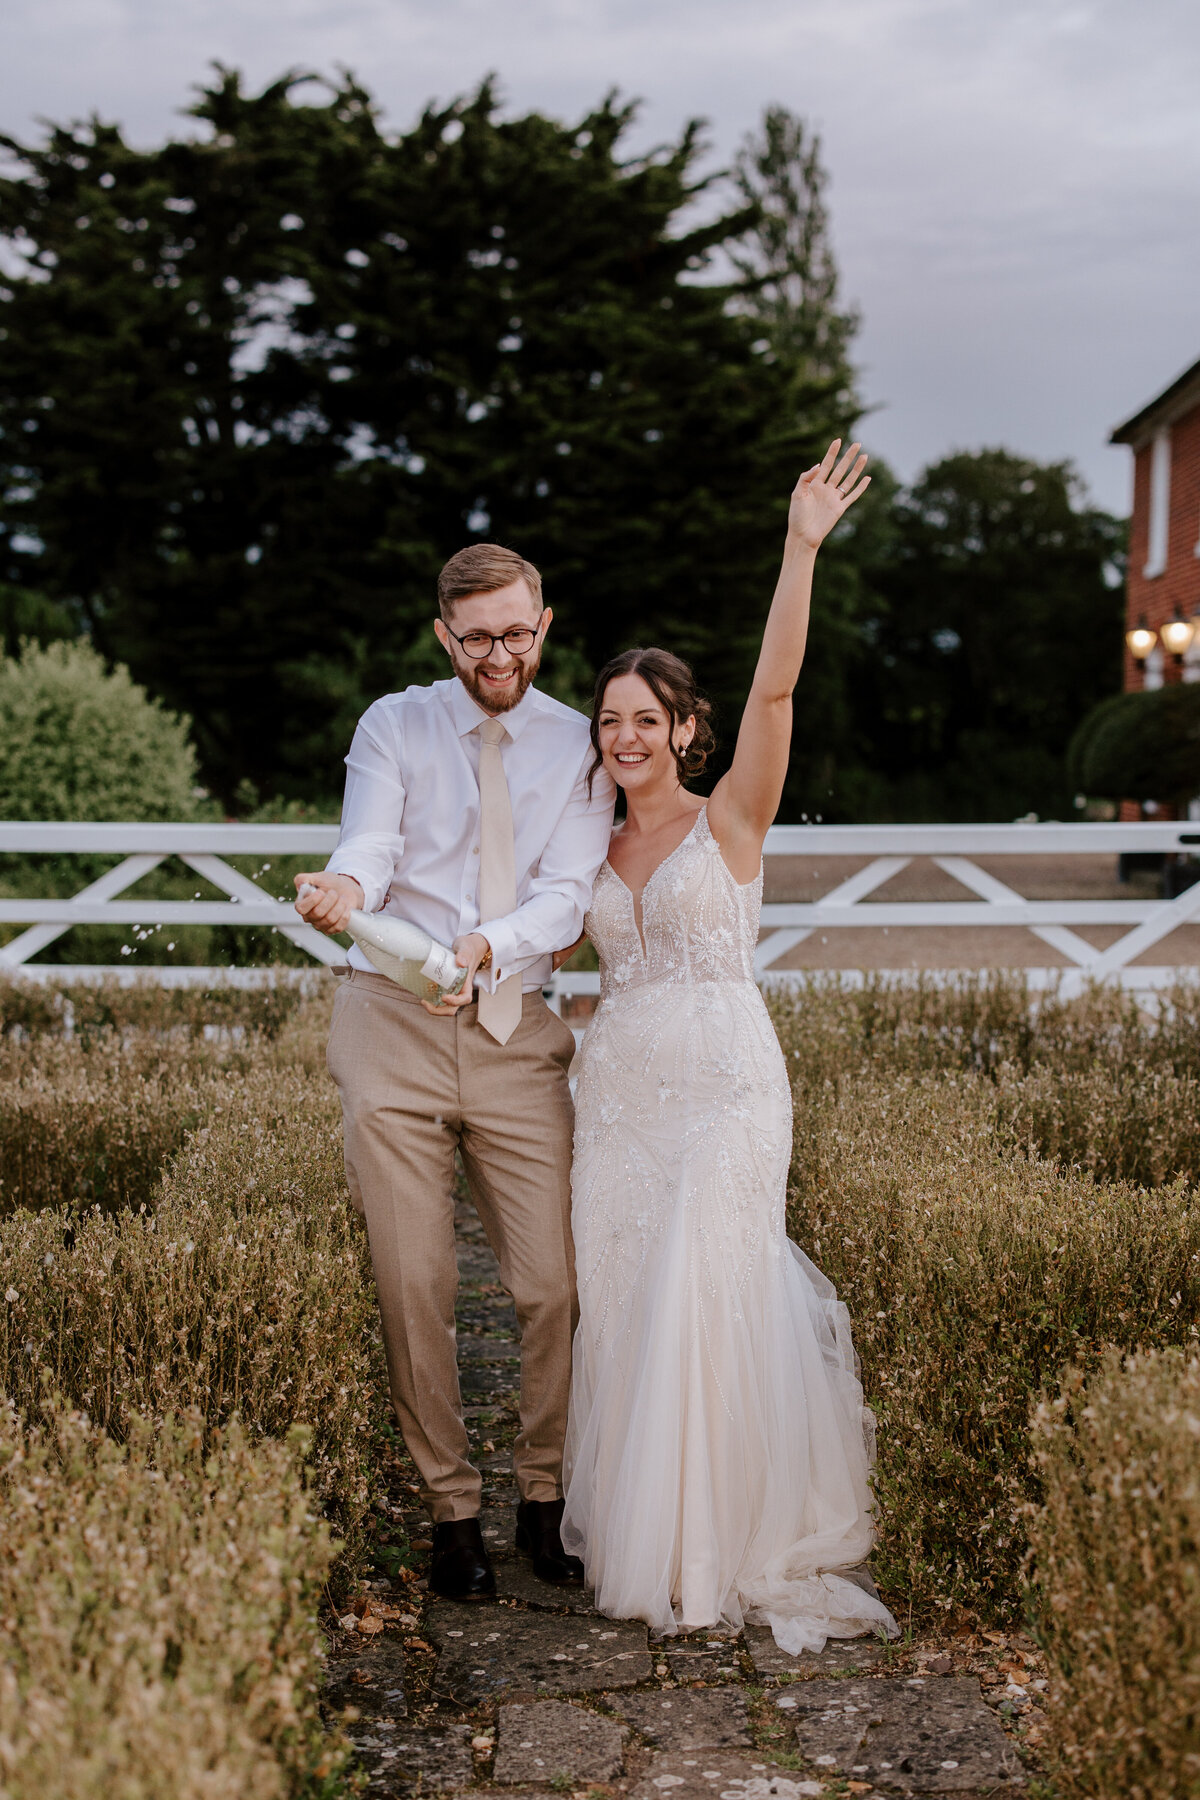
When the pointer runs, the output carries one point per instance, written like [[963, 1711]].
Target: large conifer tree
[[256, 384]]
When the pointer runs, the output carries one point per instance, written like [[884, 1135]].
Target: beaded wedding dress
[[718, 1449]]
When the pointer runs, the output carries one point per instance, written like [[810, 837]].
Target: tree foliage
[[995, 625], [788, 286], [256, 384], [28, 615], [789, 276]]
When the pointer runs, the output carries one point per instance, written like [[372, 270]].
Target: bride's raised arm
[[745, 801]]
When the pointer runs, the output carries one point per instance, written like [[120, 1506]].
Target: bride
[[718, 1449]]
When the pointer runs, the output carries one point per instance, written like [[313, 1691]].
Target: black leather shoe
[[460, 1568], [538, 1526]]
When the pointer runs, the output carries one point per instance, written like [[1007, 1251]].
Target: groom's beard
[[492, 702]]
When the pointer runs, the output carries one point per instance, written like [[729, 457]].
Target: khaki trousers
[[414, 1090]]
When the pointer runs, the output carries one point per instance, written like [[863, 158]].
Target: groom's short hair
[[481, 569]]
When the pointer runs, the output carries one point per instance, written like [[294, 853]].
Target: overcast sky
[[1015, 184]]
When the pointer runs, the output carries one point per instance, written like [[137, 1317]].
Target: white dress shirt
[[410, 822]]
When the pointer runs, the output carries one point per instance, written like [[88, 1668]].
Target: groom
[[467, 812]]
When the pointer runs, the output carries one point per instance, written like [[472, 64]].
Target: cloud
[[1013, 183]]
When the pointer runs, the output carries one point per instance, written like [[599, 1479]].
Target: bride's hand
[[824, 492]]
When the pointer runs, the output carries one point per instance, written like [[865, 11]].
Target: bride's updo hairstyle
[[674, 687]]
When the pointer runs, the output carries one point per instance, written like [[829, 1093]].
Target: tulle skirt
[[718, 1449]]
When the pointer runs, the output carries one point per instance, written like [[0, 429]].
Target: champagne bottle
[[404, 953]]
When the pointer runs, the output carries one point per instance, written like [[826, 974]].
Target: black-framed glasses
[[478, 644]]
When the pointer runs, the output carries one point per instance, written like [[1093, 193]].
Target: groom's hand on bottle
[[469, 952], [333, 899]]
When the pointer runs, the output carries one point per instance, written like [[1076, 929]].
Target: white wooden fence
[[886, 848]]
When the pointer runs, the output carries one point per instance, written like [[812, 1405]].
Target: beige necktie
[[500, 1010]]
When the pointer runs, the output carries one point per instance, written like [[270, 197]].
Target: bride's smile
[[635, 737]]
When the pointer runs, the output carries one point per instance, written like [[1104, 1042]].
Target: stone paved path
[[538, 1695]]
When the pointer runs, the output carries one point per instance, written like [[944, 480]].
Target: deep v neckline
[[636, 901]]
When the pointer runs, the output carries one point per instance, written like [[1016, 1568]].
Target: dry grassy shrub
[[1138, 1122], [93, 1122], [973, 1276], [245, 1289], [980, 1023], [92, 1117], [1093, 1082], [158, 1605], [27, 1008], [303, 1036], [830, 1029], [1117, 1544]]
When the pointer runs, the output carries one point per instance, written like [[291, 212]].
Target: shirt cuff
[[502, 940], [374, 893]]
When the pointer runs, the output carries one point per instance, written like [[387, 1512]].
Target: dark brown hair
[[481, 569], [673, 685]]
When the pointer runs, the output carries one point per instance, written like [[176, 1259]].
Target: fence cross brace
[[113, 881]]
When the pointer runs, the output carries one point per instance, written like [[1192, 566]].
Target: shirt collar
[[468, 715]]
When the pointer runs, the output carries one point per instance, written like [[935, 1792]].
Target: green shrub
[[972, 1275], [1117, 1543], [244, 1289], [159, 1614], [78, 741], [1139, 746]]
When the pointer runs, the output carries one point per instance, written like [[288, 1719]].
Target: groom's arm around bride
[[468, 813]]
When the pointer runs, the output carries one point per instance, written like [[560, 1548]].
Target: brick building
[[1163, 588]]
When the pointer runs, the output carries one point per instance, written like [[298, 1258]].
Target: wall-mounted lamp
[[1177, 633], [1141, 640]]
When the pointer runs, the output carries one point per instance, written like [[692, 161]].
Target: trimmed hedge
[[245, 1289], [158, 1603], [975, 1266], [1141, 746], [1117, 1545], [94, 1123]]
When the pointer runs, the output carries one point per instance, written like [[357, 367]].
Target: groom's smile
[[500, 679], [494, 642]]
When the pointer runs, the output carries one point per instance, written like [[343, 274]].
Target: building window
[[1160, 502]]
